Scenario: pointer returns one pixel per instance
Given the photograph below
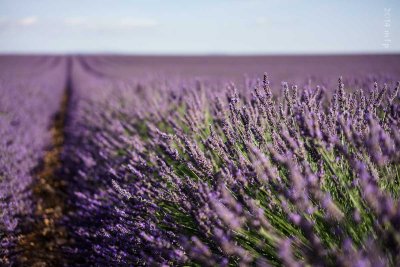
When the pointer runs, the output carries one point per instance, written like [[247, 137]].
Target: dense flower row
[[180, 174], [30, 94], [175, 171]]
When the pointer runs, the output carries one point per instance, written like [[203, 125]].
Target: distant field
[[280, 68]]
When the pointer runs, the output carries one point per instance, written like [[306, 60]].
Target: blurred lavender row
[[30, 94], [186, 170]]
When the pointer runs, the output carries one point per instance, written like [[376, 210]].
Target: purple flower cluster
[[30, 93], [184, 173]]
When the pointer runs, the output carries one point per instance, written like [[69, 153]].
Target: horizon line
[[109, 53]]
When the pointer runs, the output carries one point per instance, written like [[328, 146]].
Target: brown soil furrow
[[41, 244]]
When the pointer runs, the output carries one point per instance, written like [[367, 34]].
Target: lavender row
[[189, 173], [31, 89]]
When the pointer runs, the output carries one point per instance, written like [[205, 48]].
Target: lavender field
[[200, 161]]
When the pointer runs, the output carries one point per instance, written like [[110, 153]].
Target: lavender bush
[[183, 173]]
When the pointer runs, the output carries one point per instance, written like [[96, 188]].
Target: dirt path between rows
[[40, 245]]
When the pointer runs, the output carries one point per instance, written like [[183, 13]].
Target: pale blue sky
[[199, 27]]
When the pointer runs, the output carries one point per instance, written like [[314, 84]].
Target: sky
[[200, 27]]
